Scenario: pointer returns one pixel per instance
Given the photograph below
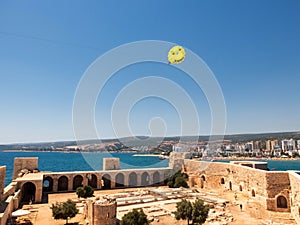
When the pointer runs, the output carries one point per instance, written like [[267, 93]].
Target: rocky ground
[[231, 214]]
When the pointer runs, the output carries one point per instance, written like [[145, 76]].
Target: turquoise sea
[[61, 161]]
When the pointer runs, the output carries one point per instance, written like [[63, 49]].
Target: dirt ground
[[41, 213]]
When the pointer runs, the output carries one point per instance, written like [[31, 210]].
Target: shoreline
[[151, 155], [256, 159]]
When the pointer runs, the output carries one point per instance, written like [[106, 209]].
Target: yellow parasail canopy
[[176, 54]]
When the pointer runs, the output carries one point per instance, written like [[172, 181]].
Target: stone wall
[[264, 187], [176, 160], [111, 163], [24, 163], [139, 174], [9, 190], [12, 203], [2, 180], [295, 195], [102, 212]]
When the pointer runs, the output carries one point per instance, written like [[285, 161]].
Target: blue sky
[[45, 46]]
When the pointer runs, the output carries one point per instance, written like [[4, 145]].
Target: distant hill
[[151, 141]]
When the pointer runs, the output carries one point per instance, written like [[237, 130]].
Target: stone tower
[[111, 163], [30, 163], [176, 159], [102, 212]]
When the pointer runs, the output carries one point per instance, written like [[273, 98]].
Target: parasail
[[176, 54]]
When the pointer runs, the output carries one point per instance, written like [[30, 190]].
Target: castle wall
[[111, 163], [2, 180], [295, 195], [12, 203], [24, 163], [264, 187], [144, 177]]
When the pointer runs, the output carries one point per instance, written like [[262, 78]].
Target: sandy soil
[[41, 213]]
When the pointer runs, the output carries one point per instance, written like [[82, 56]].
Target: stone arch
[[241, 187], [28, 192], [230, 185], [166, 177], [222, 180], [282, 202], [202, 180], [48, 184], [62, 183], [132, 179], [145, 179], [106, 181], [92, 180], [119, 180], [77, 181], [156, 177], [253, 193]]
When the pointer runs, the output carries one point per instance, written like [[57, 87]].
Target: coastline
[[256, 159], [151, 155]]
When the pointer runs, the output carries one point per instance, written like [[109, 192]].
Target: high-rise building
[[257, 145], [268, 145], [287, 145]]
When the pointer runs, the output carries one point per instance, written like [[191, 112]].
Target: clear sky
[[253, 48]]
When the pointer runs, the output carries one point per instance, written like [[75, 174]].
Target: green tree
[[180, 182], [135, 217], [85, 192], [178, 179], [184, 210], [200, 212], [64, 210], [196, 212]]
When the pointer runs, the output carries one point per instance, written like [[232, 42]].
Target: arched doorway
[[48, 184], [282, 202], [145, 179], [230, 185], [119, 180], [202, 180], [132, 179], [222, 180], [28, 193], [77, 181], [156, 178], [253, 193], [92, 181], [62, 183], [166, 178], [106, 181]]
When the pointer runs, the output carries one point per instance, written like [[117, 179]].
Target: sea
[[65, 161]]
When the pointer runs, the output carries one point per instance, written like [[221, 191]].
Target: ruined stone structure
[[29, 164], [101, 212], [269, 190], [111, 164]]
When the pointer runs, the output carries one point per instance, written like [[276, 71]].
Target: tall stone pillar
[[99, 182], [151, 178], [55, 184], [86, 179], [126, 179], [70, 183]]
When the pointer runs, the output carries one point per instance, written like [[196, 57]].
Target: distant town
[[283, 145]]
